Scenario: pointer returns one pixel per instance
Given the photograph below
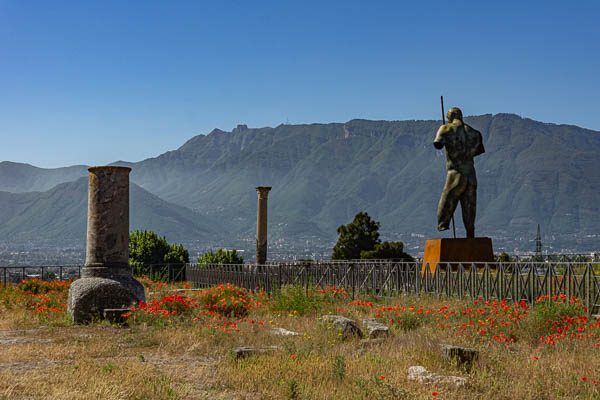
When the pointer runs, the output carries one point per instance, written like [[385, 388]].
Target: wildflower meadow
[[178, 345]]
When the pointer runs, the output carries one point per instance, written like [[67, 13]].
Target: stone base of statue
[[99, 289], [457, 250]]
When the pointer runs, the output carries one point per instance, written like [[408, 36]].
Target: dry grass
[[46, 357]]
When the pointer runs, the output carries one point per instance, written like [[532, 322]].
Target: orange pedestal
[[465, 250]]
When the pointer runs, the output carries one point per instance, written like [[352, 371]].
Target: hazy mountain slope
[[323, 174], [60, 214], [19, 178]]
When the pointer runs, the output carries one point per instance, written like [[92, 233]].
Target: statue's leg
[[455, 185], [468, 204]]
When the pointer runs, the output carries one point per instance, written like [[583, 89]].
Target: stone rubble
[[348, 327], [375, 329], [420, 374], [285, 332], [463, 356]]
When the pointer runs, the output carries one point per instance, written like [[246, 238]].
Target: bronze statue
[[462, 143]]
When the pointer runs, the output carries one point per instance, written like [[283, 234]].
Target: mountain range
[[322, 175]]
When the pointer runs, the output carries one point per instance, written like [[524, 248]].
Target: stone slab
[[246, 351], [455, 250]]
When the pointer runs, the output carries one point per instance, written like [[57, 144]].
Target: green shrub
[[151, 255], [297, 299], [294, 298], [221, 257], [339, 367], [409, 321], [548, 310]]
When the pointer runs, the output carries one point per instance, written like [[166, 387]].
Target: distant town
[[308, 248]]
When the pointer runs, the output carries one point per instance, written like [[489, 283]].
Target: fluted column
[[261, 224]]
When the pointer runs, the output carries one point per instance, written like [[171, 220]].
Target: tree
[[151, 254], [503, 257], [386, 251], [221, 257], [362, 234], [177, 255]]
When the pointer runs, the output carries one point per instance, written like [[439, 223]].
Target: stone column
[[106, 279], [261, 224]]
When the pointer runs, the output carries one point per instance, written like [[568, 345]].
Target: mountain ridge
[[323, 174], [60, 215]]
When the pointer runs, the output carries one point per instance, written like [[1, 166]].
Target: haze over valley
[[202, 194]]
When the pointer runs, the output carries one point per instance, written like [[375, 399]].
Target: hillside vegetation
[[323, 174]]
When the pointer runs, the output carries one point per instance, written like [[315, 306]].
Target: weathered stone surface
[[463, 356], [348, 327], [106, 280], [89, 297], [285, 332], [420, 374], [246, 351], [107, 244], [375, 328]]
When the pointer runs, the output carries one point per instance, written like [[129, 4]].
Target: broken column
[[106, 279], [261, 224]]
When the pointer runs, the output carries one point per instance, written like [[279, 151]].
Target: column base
[[90, 296]]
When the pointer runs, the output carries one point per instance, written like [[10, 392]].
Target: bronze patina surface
[[462, 143]]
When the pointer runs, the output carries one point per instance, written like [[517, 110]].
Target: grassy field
[[179, 346]]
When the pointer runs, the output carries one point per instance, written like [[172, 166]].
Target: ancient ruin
[[106, 280], [261, 224]]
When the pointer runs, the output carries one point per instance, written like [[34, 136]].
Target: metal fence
[[161, 272], [10, 274], [515, 281], [157, 272]]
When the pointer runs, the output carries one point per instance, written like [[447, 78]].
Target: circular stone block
[[88, 297]]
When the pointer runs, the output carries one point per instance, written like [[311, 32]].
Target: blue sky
[[91, 82]]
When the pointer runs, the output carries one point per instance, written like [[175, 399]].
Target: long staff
[[444, 123]]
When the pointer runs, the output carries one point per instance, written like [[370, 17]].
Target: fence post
[[279, 278], [448, 273], [460, 275], [549, 280], [353, 280], [531, 284], [417, 277], [500, 278], [306, 276], [569, 279], [588, 271]]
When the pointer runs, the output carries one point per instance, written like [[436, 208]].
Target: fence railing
[[11, 274], [157, 272], [161, 272], [516, 281]]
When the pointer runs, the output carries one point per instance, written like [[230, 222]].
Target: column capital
[[263, 191], [109, 168]]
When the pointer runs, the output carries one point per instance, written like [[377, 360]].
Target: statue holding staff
[[462, 143]]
